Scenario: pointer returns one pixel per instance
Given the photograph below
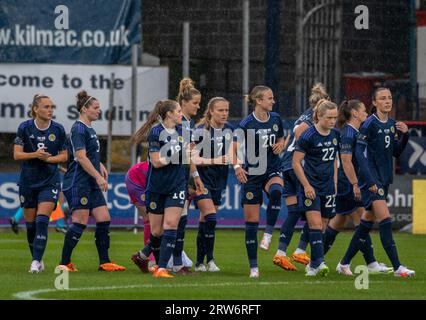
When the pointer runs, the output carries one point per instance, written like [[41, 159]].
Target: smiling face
[[267, 101], [175, 115], [383, 101], [43, 110]]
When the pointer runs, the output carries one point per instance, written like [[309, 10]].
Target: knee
[[275, 192]]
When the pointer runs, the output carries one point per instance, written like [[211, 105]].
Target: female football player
[[261, 133], [85, 180], [40, 145]]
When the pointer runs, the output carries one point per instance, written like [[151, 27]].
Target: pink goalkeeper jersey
[[138, 173]]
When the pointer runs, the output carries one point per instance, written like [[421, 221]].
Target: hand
[[357, 192], [241, 175], [199, 186], [373, 188], [309, 192], [42, 154], [277, 148], [401, 126], [103, 185], [104, 172]]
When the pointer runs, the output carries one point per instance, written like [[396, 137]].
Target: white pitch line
[[31, 295]]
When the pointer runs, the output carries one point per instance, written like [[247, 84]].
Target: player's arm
[[400, 144], [87, 166], [335, 176], [20, 155], [362, 161], [60, 158], [349, 170], [298, 130], [199, 185], [156, 160], [298, 169], [280, 145], [240, 173]]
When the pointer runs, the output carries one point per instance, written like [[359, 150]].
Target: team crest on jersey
[[22, 198], [381, 192], [308, 202], [205, 191], [52, 137], [335, 141], [180, 139], [84, 201], [153, 205], [275, 127], [392, 129], [249, 195], [227, 136], [143, 196]]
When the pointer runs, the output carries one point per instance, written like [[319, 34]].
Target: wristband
[[195, 174], [236, 166]]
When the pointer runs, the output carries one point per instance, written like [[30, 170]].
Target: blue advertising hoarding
[[230, 213], [77, 32]]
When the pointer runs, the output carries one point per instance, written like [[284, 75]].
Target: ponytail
[[186, 90], [157, 115]]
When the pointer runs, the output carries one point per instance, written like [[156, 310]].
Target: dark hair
[[256, 93], [84, 100], [187, 90], [345, 109], [373, 98], [157, 115], [36, 100], [207, 113]]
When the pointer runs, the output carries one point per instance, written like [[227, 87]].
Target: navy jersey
[[287, 158], [376, 145], [36, 173], [213, 144], [320, 153], [259, 135], [348, 139], [187, 128], [82, 137], [170, 144]]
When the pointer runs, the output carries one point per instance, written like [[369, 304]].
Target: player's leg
[[44, 210], [208, 215], [336, 225], [180, 240], [14, 220], [381, 212], [274, 189], [317, 265]]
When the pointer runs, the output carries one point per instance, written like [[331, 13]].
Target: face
[[383, 101], [220, 112], [192, 106], [44, 109], [360, 113], [267, 101], [176, 115], [328, 119], [93, 110]]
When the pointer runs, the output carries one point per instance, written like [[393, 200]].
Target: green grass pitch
[[231, 283]]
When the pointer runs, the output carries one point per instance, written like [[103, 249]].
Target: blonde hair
[[318, 92], [187, 90], [256, 93], [321, 108], [36, 101], [157, 115], [207, 117]]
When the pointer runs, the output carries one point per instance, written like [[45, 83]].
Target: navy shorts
[[156, 203], [292, 185], [214, 195], [369, 197], [252, 190], [30, 197], [84, 198], [324, 204], [346, 204]]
